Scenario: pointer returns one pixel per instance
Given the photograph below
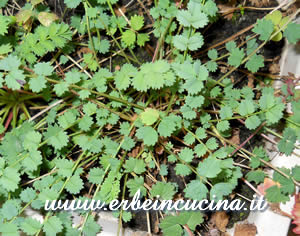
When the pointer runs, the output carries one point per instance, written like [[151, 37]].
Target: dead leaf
[[226, 11], [23, 16], [220, 219], [108, 126], [223, 69], [159, 149], [149, 2], [47, 18], [134, 151], [267, 184], [292, 9], [259, 3], [250, 81], [245, 229], [235, 138], [274, 68], [83, 50], [118, 11]]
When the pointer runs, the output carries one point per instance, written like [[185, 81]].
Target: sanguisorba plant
[[104, 131]]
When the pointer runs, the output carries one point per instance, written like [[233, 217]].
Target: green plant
[[103, 131]]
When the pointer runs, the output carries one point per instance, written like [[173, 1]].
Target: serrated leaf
[[264, 28], [9, 229], [292, 32], [128, 37], [43, 68], [148, 135], [136, 22], [96, 175], [213, 54], [136, 184], [194, 101], [91, 227], [10, 179], [31, 226], [197, 20], [186, 154], [167, 126], [74, 185], [28, 195], [142, 39], [209, 168], [287, 185], [257, 176], [61, 88], [236, 57], [137, 166], [56, 137], [220, 190], [52, 226], [211, 143], [252, 122], [10, 209], [182, 169], [165, 191], [193, 43], [128, 143], [226, 112], [85, 123], [196, 190], [254, 63], [32, 161], [223, 125], [5, 48], [296, 173], [273, 194], [64, 167], [124, 76], [37, 84], [272, 106], [170, 226]]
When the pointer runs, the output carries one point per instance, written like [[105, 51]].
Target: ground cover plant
[[100, 98]]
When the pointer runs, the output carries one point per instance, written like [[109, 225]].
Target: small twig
[[148, 223], [40, 177], [125, 17], [79, 66], [46, 109], [252, 187], [187, 229]]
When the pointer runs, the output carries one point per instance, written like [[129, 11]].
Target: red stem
[[248, 139]]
